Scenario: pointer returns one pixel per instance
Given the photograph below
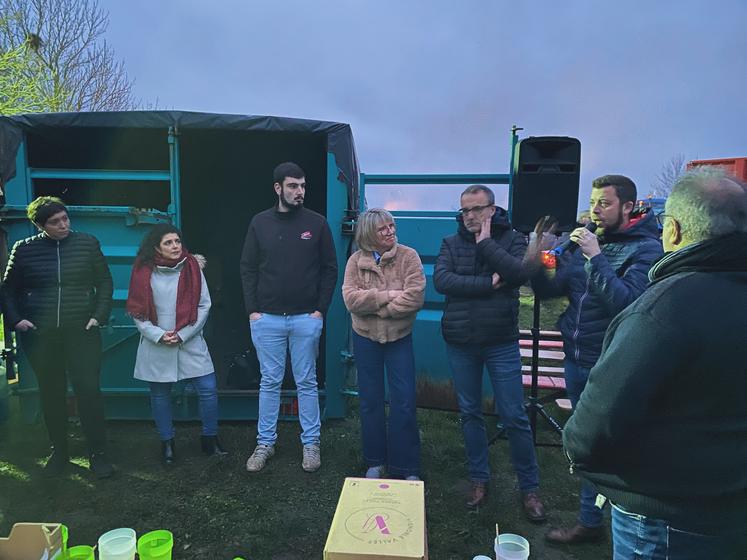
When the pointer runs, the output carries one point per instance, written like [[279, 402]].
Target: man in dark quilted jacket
[[479, 270], [57, 290]]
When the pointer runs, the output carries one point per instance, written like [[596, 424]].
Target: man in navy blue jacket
[[606, 274]]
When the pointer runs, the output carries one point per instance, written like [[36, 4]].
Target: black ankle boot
[[211, 446], [57, 461], [167, 451], [100, 466]]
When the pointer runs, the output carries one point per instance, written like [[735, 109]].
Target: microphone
[[569, 245]]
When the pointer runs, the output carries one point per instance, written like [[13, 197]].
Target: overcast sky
[[434, 86]]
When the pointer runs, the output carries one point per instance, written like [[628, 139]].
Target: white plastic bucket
[[118, 544], [511, 547]]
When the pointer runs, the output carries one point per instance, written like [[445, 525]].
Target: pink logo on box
[[376, 522], [306, 235], [379, 525]]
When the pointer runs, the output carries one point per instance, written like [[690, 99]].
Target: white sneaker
[[312, 458], [375, 472], [259, 458]]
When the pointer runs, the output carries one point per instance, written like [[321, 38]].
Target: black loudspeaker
[[545, 182]]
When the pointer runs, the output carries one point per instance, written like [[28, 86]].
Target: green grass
[[549, 311], [217, 510]]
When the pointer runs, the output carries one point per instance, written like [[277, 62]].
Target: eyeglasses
[[661, 217], [473, 210], [385, 229]]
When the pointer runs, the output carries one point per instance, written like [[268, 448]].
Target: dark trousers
[[56, 354], [392, 441]]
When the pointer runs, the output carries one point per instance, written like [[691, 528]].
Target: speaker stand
[[535, 405]]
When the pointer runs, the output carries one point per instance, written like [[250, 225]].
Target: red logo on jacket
[[306, 235]]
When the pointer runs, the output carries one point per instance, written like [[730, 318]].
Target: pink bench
[[550, 376]]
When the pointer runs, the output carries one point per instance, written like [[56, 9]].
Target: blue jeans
[[272, 336], [160, 404], [394, 442], [503, 363], [637, 537], [589, 514]]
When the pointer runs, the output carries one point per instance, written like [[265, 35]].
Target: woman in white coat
[[169, 301]]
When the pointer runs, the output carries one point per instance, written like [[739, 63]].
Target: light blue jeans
[[637, 537], [160, 403], [273, 336]]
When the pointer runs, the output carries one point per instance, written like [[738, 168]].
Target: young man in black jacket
[[479, 269], [288, 272], [661, 428], [57, 290]]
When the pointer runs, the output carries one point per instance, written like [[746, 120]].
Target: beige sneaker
[[259, 458], [312, 458]]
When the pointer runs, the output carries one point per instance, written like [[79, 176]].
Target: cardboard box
[[378, 519], [32, 541]]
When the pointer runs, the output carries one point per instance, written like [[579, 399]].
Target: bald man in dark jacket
[[661, 428]]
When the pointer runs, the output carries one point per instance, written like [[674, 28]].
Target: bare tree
[[78, 68], [667, 177]]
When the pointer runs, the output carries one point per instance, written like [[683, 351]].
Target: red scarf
[[140, 297]]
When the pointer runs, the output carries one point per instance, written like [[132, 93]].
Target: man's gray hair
[[475, 189], [708, 203]]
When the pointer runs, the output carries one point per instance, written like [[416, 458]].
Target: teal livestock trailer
[[121, 173]]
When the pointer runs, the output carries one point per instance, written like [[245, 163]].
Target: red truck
[[734, 166]]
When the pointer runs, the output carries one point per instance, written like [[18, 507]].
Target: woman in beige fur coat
[[383, 290]]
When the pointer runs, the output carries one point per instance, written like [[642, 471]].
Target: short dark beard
[[289, 207], [618, 224]]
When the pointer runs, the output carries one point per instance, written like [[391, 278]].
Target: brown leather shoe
[[534, 509], [478, 494], [575, 535]]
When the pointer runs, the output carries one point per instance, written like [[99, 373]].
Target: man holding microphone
[[602, 272]]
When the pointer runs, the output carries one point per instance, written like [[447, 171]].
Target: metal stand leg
[[533, 404]]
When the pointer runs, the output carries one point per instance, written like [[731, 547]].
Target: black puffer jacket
[[599, 288], [476, 313], [57, 283]]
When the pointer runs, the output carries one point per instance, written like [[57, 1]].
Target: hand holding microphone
[[583, 237]]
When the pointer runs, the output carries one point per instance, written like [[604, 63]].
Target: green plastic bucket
[[156, 545], [63, 531], [80, 552]]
